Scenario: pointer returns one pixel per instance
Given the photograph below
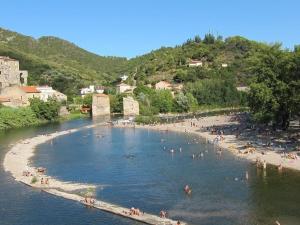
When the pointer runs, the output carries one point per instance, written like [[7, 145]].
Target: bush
[[147, 119], [33, 180], [17, 117], [45, 110]]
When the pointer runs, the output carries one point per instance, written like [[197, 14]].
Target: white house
[[243, 88], [124, 77], [121, 88], [47, 92], [88, 90], [195, 63], [224, 65]]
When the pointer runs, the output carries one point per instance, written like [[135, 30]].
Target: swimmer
[[265, 165]]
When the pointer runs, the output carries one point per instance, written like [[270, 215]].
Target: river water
[[134, 168]]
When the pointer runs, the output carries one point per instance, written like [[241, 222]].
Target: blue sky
[[134, 27]]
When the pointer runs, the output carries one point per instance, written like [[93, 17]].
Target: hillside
[[67, 67], [59, 63], [172, 63]]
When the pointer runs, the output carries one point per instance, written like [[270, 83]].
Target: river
[[134, 168]]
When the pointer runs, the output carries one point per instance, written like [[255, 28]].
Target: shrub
[[33, 180]]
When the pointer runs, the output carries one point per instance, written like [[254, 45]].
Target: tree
[[274, 93], [88, 100], [185, 103], [197, 39], [116, 103], [209, 39], [163, 100], [45, 110]]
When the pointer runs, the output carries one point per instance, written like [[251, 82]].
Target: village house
[[224, 65], [195, 63], [243, 88], [47, 92], [177, 87], [163, 85], [92, 89], [125, 88], [18, 96], [87, 90], [124, 77], [10, 73]]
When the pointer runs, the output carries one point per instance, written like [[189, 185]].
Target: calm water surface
[[132, 168]]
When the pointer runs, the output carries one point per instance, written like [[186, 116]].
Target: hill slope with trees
[[59, 63]]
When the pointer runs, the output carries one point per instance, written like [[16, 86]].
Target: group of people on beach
[[45, 181], [134, 211], [163, 214], [89, 201]]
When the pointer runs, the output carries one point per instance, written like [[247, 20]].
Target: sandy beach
[[17, 162], [232, 143]]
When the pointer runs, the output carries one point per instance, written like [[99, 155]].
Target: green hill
[[172, 63], [59, 63], [67, 67]]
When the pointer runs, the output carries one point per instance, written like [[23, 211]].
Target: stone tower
[[130, 107], [101, 105], [10, 73]]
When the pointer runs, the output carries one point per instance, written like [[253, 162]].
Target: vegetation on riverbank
[[16, 118], [37, 113]]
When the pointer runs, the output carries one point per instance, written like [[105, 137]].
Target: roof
[[30, 89], [4, 99], [101, 95], [164, 82], [7, 58], [123, 84]]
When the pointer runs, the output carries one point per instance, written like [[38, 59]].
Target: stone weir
[[115, 209], [33, 177]]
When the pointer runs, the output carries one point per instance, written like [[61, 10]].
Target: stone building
[[48, 92], [10, 73], [18, 96], [163, 85], [130, 107], [125, 88], [100, 105]]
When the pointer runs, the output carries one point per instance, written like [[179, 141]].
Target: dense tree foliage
[[45, 110], [275, 90], [59, 63], [17, 117]]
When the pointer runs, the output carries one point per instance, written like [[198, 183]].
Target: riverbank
[[17, 162], [12, 118], [242, 141]]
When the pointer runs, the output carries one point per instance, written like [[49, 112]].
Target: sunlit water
[[134, 168]]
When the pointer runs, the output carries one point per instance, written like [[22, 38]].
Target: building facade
[[47, 92], [125, 88], [163, 85], [10, 73]]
